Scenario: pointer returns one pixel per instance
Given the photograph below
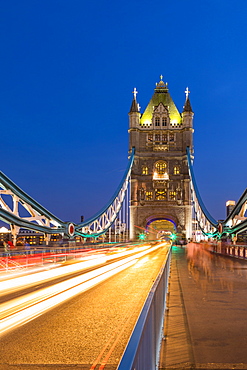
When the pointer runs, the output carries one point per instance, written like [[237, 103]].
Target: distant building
[[26, 236], [230, 204], [4, 234], [197, 234], [34, 238], [160, 182], [30, 237]]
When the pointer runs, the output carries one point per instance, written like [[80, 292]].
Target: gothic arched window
[[144, 170], [176, 170], [160, 167]]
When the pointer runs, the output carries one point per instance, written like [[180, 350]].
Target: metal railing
[[143, 349], [41, 254]]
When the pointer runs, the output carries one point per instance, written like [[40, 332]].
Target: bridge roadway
[[89, 331], [206, 324]]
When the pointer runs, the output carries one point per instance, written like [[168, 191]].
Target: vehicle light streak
[[39, 308], [14, 284], [21, 310], [17, 273], [32, 279]]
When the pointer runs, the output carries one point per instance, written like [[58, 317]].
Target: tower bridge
[[157, 196], [158, 192], [160, 181]]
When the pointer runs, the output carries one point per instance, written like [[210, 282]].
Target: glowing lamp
[[142, 236], [173, 237]]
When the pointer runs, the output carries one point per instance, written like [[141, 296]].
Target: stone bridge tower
[[160, 185]]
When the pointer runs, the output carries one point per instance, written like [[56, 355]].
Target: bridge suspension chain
[[39, 219], [102, 221], [207, 224]]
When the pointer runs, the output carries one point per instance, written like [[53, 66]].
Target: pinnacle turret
[[134, 106], [187, 105], [161, 87]]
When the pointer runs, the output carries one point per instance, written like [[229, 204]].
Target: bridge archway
[[160, 227]]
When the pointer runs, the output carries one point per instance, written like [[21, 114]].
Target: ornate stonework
[[160, 178]]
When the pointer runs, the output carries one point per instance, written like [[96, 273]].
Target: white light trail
[[21, 310], [26, 281]]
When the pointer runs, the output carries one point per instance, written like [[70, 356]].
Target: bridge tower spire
[[160, 193]]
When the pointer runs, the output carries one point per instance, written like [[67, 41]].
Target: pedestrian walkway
[[206, 320]]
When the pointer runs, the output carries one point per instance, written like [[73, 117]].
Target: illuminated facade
[[160, 183]]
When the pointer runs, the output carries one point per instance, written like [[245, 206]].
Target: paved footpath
[[206, 320]]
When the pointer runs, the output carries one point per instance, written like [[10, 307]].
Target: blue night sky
[[68, 69]]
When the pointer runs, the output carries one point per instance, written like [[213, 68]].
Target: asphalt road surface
[[90, 331]]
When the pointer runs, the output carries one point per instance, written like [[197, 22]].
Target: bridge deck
[[206, 324]]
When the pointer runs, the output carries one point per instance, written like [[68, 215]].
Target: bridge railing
[[237, 251], [143, 349]]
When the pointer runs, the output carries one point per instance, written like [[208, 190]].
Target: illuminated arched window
[[176, 170], [144, 170], [160, 167]]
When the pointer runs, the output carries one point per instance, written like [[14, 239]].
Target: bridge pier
[[47, 238], [14, 232]]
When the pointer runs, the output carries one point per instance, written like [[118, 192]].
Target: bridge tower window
[[172, 195], [144, 170], [172, 137], [149, 195], [160, 167], [164, 137], [160, 194], [164, 121], [157, 121], [157, 137], [176, 170]]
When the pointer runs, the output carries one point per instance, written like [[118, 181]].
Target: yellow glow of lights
[[21, 310], [29, 280], [159, 176], [29, 313]]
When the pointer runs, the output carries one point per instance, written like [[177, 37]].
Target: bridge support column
[[14, 232], [132, 231], [47, 238]]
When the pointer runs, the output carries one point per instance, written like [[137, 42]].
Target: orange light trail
[[25, 281], [21, 310]]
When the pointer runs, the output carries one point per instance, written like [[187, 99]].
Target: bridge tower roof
[[161, 95]]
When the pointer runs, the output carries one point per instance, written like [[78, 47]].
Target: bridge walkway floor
[[206, 320]]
